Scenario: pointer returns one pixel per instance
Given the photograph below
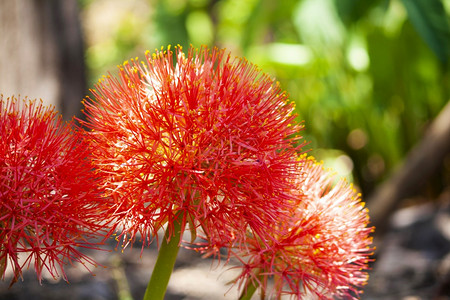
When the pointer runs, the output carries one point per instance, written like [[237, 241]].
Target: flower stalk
[[251, 287], [249, 291], [165, 262]]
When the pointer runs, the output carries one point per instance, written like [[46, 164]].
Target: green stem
[[248, 292], [250, 289], [157, 286]]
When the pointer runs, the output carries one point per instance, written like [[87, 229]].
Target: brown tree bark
[[41, 53], [423, 160]]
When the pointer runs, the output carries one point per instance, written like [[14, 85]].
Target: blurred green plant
[[367, 76]]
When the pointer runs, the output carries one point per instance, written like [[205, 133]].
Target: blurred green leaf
[[200, 28], [170, 20], [318, 22], [351, 11], [431, 22]]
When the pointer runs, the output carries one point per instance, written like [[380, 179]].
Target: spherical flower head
[[202, 134], [50, 204], [322, 250]]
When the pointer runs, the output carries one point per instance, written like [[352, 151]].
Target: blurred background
[[370, 79]]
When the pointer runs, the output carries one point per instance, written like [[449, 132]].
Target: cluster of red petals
[[49, 201], [200, 134], [322, 250]]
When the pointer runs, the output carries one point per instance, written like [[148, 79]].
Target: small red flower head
[[200, 134], [322, 249], [49, 200]]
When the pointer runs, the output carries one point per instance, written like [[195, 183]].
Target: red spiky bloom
[[200, 134], [321, 250], [49, 198]]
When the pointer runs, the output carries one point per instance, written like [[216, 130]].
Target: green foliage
[[431, 22], [367, 76]]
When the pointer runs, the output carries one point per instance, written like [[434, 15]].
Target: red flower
[[204, 135], [323, 249], [49, 200]]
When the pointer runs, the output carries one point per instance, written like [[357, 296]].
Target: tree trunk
[[422, 161], [41, 53]]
